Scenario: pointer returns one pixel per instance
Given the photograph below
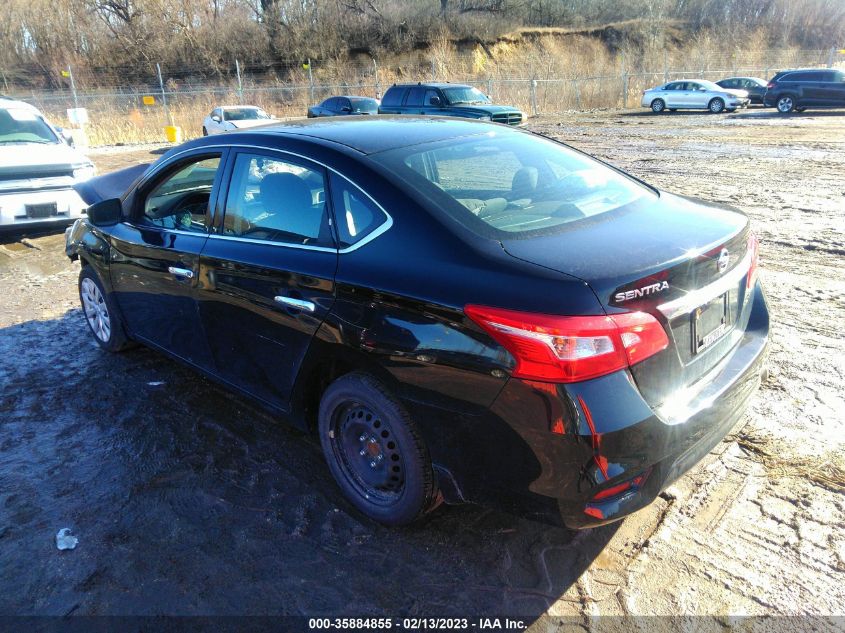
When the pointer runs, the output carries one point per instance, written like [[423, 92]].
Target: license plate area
[[710, 322], [47, 210]]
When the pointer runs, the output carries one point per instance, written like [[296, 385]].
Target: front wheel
[[716, 105], [375, 451], [658, 106], [786, 104], [101, 313]]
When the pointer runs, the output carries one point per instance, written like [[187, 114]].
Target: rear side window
[[802, 77], [277, 200], [393, 96], [416, 96], [356, 216], [180, 201]]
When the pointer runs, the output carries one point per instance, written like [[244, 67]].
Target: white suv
[[37, 169]]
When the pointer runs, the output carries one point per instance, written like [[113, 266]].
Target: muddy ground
[[187, 500]]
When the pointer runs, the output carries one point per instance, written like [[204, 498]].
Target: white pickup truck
[[38, 169]]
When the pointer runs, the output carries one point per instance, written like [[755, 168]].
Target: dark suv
[[797, 90], [447, 100]]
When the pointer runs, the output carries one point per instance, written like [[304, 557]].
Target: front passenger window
[[277, 200], [180, 201]]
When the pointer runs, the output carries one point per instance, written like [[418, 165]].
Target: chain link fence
[[139, 112]]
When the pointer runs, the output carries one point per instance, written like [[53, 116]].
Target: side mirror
[[66, 135], [435, 101], [105, 212], [215, 118]]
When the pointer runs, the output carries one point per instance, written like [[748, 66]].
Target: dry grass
[[827, 470]]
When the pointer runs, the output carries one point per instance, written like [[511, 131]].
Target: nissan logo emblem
[[723, 261]]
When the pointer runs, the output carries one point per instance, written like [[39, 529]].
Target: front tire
[[658, 106], [716, 106], [786, 104], [100, 312], [375, 451]]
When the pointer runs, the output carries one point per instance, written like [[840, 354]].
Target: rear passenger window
[[356, 216], [393, 96], [277, 200], [416, 96], [180, 201]]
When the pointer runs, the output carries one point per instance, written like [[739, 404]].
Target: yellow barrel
[[173, 133]]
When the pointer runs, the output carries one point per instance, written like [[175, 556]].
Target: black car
[[754, 86], [459, 311], [445, 99], [343, 106], [797, 90]]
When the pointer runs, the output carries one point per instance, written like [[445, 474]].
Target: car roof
[[373, 134], [9, 102], [805, 70], [432, 84]]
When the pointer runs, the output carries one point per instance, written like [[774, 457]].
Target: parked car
[[38, 169], [797, 90], [228, 118], [754, 86], [445, 99], [694, 95], [459, 310], [344, 105]]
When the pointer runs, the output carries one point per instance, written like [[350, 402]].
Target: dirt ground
[[187, 500]]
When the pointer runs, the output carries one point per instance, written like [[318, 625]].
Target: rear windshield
[[244, 114], [20, 126], [511, 185], [362, 104]]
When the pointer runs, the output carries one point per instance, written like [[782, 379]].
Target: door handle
[[299, 304], [187, 273]]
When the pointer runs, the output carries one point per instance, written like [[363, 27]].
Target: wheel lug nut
[[372, 464], [362, 452], [362, 438]]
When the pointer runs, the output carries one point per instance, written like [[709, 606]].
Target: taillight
[[571, 348], [770, 85], [754, 249]]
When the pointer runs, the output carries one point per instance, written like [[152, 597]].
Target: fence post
[[378, 85], [310, 81], [240, 83], [665, 67], [624, 77], [433, 71], [534, 97], [830, 57], [489, 86], [163, 95], [72, 86], [577, 94]]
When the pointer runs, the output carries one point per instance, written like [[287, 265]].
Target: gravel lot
[[187, 500]]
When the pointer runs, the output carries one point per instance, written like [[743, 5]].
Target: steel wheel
[[658, 105], [368, 453], [716, 105], [786, 104], [96, 310]]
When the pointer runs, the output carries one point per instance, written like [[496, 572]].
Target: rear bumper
[[14, 207], [544, 451]]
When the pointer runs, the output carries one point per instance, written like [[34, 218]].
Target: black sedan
[[755, 86], [343, 106], [460, 311]]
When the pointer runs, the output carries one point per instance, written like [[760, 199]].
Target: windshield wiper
[[26, 142]]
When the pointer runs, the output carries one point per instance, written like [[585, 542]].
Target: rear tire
[[673, 109], [101, 313], [716, 106], [658, 106], [786, 104], [375, 451]]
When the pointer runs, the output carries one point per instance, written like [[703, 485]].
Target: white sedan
[[694, 95], [226, 118]]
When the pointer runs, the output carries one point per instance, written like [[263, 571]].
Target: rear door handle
[[187, 273], [299, 304]]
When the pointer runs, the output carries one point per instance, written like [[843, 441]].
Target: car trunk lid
[[678, 259]]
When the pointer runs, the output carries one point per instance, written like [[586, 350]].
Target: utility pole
[[310, 81], [72, 87]]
